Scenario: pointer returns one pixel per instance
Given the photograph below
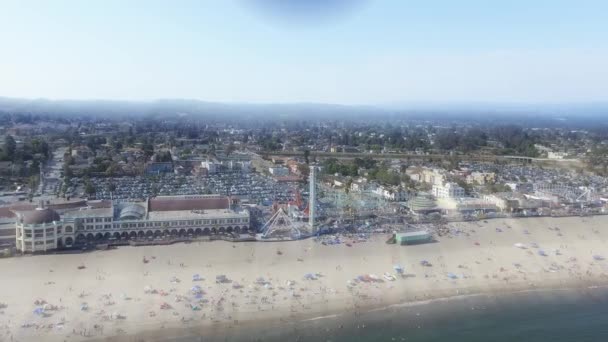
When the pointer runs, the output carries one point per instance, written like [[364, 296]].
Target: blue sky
[[337, 51]]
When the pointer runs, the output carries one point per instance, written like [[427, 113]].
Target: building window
[[97, 219], [89, 220], [107, 226], [89, 227]]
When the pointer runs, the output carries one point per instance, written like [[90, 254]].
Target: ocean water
[[556, 315]]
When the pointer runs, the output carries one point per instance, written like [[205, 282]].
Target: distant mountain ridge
[[579, 115]]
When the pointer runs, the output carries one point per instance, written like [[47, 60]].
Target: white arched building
[[43, 229], [38, 230]]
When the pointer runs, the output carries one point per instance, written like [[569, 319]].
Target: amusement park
[[328, 210]]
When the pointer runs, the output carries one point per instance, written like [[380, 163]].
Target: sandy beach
[[116, 295]]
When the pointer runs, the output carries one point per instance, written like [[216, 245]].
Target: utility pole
[[312, 198]]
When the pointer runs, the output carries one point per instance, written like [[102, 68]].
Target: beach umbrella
[[452, 275], [398, 268], [39, 311], [542, 253], [598, 257], [520, 245]]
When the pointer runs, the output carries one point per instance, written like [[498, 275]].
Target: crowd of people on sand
[[223, 298]]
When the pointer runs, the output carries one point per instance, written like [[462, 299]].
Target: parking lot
[[255, 187]]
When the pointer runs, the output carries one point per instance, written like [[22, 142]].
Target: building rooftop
[[416, 233], [88, 212], [195, 214], [422, 202], [38, 216], [176, 203]]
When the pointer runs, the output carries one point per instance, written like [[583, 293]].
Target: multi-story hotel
[[43, 229]]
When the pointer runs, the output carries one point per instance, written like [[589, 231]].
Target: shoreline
[[331, 319], [475, 259]]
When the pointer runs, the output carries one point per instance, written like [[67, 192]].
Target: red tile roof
[[188, 203], [5, 212], [100, 204]]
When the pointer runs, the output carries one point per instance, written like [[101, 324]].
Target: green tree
[[35, 167], [10, 147], [304, 169], [597, 160], [33, 183], [89, 189], [230, 148], [348, 184]]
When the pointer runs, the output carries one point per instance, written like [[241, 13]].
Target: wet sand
[[124, 296]]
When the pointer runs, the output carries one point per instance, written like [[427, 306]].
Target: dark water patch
[[558, 315]]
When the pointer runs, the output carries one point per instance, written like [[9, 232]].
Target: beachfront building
[[395, 193], [37, 230], [426, 175], [422, 205], [43, 229], [448, 190], [7, 228]]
